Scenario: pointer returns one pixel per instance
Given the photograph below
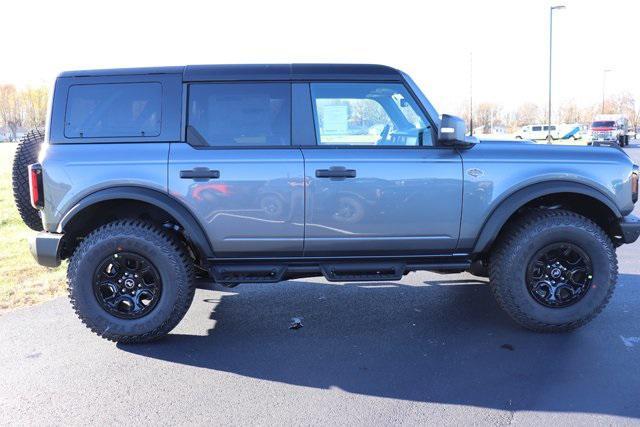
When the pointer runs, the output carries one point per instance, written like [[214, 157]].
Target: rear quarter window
[[113, 110]]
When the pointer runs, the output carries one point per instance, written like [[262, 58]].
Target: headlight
[[634, 187]]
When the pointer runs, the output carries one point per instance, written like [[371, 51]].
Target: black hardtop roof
[[194, 73]]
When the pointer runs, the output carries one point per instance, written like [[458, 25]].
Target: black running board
[[230, 273]]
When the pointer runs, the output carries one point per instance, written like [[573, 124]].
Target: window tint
[[368, 114], [536, 128], [113, 110], [603, 124], [239, 114]]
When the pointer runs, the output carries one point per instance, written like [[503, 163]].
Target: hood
[[541, 151]]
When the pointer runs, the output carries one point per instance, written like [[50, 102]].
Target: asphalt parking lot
[[428, 349]]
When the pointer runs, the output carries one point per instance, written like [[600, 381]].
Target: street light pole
[[551, 9], [471, 93], [604, 77]]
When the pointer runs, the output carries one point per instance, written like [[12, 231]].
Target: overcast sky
[[429, 40]]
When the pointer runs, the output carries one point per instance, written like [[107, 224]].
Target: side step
[[233, 272], [248, 273], [362, 271]]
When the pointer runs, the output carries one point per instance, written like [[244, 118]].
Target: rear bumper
[[630, 227], [45, 248]]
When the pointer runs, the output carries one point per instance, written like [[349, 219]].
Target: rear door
[[377, 185], [239, 173]]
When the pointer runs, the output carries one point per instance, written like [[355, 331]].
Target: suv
[[151, 181]]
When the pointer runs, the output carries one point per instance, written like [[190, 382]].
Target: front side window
[[368, 114], [113, 110], [241, 114]]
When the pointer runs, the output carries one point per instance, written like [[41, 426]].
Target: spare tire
[[26, 154]]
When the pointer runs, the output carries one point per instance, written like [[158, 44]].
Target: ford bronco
[[151, 181]]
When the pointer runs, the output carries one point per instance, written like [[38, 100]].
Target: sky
[[432, 41]]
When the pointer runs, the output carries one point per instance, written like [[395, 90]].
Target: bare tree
[[34, 106], [569, 112], [487, 114], [10, 110], [527, 113]]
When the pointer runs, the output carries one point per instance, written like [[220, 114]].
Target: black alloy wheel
[[127, 285], [559, 275]]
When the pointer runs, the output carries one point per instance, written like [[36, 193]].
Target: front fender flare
[[501, 213], [192, 227]]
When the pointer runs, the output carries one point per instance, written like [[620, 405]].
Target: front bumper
[[45, 248], [630, 227]]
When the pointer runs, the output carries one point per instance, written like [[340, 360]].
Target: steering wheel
[[384, 134]]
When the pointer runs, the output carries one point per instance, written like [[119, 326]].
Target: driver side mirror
[[452, 132]]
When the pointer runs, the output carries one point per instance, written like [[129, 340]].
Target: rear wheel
[[26, 153], [554, 271], [130, 282]]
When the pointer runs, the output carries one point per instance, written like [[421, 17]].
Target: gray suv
[[154, 181]]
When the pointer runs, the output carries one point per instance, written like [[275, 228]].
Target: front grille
[[601, 134]]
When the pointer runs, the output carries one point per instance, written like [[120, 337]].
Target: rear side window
[[113, 110], [241, 114]]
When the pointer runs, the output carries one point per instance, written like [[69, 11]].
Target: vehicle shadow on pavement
[[438, 341]]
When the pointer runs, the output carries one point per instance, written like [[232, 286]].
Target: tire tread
[[167, 244], [515, 237], [26, 153]]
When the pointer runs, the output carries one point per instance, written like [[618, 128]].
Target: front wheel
[[554, 271], [130, 282]]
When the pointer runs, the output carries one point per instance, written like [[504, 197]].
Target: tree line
[[489, 114], [24, 108]]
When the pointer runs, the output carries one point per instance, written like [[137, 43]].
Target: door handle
[[200, 173], [336, 172]]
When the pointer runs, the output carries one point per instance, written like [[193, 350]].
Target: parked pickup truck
[[152, 180]]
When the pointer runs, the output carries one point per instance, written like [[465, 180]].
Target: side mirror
[[452, 132]]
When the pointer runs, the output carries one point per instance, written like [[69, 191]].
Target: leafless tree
[[487, 114], [10, 109], [569, 112], [527, 113], [34, 106]]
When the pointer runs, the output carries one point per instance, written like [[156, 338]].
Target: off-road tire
[[169, 258], [515, 249], [479, 268], [26, 153]]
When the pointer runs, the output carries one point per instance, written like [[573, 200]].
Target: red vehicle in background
[[610, 129]]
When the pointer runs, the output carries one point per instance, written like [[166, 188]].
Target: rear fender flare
[[193, 230]]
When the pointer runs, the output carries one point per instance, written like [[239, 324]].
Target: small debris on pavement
[[296, 323], [507, 347], [630, 341]]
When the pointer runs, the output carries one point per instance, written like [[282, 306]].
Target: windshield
[[603, 124]]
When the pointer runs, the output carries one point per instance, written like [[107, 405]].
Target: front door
[[376, 184], [239, 174]]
